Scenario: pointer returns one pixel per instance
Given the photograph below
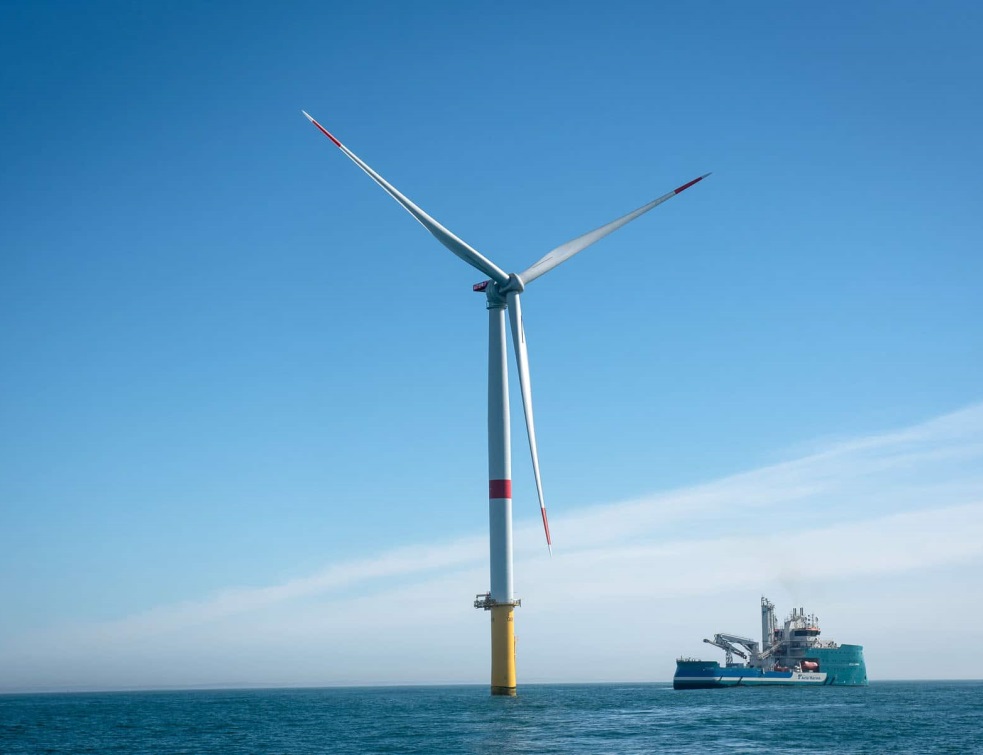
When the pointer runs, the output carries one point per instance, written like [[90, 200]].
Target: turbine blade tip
[[685, 186], [546, 529], [321, 128]]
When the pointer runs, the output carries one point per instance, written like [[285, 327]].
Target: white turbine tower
[[503, 292]]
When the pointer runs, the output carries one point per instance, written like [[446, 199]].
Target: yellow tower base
[[503, 651]]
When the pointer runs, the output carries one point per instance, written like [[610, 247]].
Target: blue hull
[[842, 666]]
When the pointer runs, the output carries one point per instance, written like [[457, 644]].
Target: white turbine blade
[[445, 237], [522, 362], [565, 251]]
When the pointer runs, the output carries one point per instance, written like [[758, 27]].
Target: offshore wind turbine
[[502, 292]]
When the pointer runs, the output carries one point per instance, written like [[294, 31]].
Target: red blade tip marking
[[694, 181], [322, 129], [546, 526]]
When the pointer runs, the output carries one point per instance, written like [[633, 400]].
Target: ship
[[790, 655]]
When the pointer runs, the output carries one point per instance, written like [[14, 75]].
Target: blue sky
[[232, 363]]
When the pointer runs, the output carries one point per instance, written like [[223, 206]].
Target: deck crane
[[729, 642]]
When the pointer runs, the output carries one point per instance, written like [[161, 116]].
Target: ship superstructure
[[791, 654]]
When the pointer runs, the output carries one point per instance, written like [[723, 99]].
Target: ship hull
[[748, 677], [842, 666]]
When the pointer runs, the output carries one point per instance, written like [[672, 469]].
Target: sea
[[885, 717]]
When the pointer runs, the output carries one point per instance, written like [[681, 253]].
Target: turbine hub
[[514, 284]]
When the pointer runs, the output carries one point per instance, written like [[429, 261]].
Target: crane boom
[[729, 644]]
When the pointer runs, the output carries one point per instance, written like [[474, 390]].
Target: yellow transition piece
[[503, 651]]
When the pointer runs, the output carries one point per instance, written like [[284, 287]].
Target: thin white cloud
[[932, 464], [824, 482]]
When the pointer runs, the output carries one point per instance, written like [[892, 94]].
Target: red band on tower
[[500, 489]]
